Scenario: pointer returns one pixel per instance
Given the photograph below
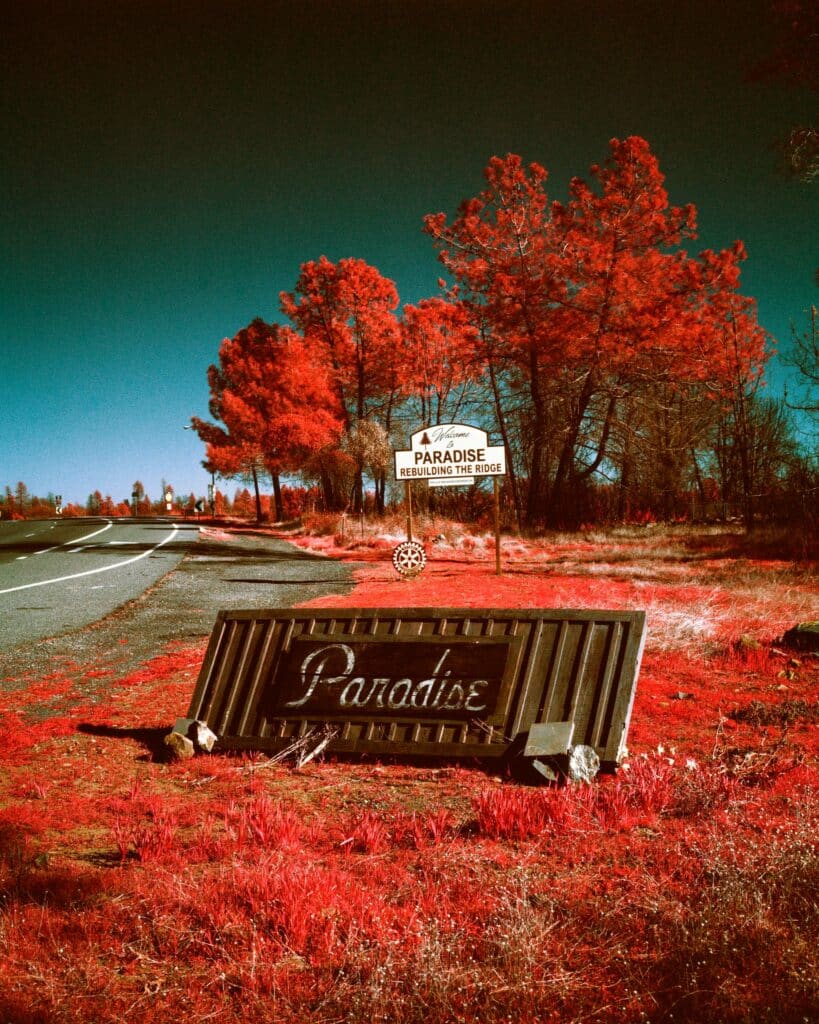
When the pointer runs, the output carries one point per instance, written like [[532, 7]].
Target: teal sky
[[167, 167]]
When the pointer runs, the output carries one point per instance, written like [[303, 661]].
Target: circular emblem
[[409, 558]]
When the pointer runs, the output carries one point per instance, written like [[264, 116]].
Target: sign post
[[496, 491], [451, 455], [409, 557], [408, 500]]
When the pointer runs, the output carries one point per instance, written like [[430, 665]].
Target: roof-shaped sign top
[[450, 454]]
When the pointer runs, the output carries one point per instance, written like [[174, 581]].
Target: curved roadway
[[60, 575], [108, 595]]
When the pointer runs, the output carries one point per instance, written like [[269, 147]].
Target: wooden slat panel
[[603, 701], [554, 690], [584, 681], [238, 695], [204, 692], [614, 740], [257, 679], [223, 679], [530, 689]]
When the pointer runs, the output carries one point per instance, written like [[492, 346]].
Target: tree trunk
[[559, 513], [256, 492], [381, 493], [326, 490], [700, 486], [510, 464], [358, 491], [277, 497], [626, 474], [536, 500], [743, 442]]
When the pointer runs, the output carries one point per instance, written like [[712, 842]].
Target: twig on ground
[[300, 749]]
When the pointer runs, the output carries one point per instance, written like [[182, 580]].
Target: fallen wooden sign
[[534, 687]]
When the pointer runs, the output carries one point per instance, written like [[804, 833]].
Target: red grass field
[[229, 889]]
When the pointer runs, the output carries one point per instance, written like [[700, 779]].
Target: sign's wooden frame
[[557, 666]]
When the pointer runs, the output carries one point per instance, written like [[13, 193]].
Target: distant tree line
[[18, 503], [623, 375]]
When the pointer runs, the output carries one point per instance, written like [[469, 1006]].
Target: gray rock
[[584, 764]]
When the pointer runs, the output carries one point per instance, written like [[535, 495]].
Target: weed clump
[[784, 713]]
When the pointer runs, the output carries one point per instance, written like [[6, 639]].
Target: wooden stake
[[408, 498], [496, 489]]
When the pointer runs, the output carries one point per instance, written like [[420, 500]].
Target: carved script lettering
[[330, 672]]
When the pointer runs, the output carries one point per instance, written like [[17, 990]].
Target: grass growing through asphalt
[[230, 889]]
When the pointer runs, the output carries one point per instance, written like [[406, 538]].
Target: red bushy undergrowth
[[230, 889]]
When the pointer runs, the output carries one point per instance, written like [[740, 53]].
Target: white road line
[[88, 536], [92, 572]]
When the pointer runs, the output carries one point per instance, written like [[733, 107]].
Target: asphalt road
[[90, 604], [60, 575]]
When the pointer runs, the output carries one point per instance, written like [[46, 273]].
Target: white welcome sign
[[450, 455]]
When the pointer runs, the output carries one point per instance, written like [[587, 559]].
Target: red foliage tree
[[272, 395], [346, 312], [440, 355], [586, 303]]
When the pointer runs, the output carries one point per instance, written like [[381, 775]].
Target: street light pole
[[212, 484]]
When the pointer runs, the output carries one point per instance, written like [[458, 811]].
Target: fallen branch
[[300, 749]]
